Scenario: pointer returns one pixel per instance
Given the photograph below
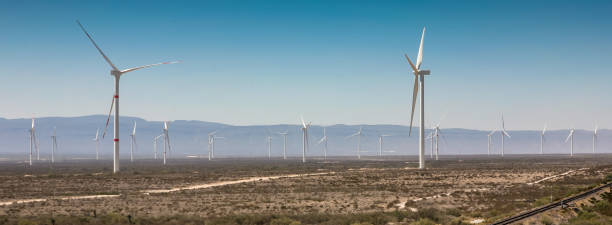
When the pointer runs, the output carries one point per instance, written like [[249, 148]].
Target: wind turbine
[[269, 138], [358, 134], [167, 146], [419, 78], [284, 143], [489, 143], [210, 144], [97, 140], [53, 145], [437, 134], [503, 135], [117, 74], [570, 138], [304, 138], [431, 137], [594, 139], [33, 140], [133, 143], [324, 140], [542, 140], [155, 144], [380, 143]]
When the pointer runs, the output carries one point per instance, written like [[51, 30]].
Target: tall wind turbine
[[33, 140], [284, 143], [210, 144], [431, 146], [380, 143], [542, 140], [117, 74], [419, 78], [570, 138], [53, 145], [304, 139], [133, 142], [358, 134], [155, 139], [97, 140], [489, 143], [324, 141], [269, 138], [167, 146], [594, 139], [503, 135]]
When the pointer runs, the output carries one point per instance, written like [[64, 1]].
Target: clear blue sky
[[267, 62]]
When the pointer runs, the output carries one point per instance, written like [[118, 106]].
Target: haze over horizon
[[255, 63]]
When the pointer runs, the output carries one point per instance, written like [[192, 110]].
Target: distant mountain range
[[75, 137]]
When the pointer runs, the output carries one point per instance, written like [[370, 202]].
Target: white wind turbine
[[419, 78], [33, 140], [380, 143], [269, 139], [97, 140], [437, 134], [117, 74], [324, 140], [53, 145], [431, 137], [503, 135], [133, 142], [489, 141], [284, 143], [304, 138], [155, 144], [210, 144], [167, 146], [358, 134], [542, 138], [570, 138], [594, 139]]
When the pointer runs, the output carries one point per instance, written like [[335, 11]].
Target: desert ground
[[340, 190]]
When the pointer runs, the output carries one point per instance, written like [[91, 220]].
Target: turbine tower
[[489, 143], [419, 78], [542, 140], [167, 146], [503, 135], [133, 142], [53, 145], [97, 140], [33, 140], [380, 143], [210, 144], [304, 139], [269, 138], [594, 139], [117, 74], [570, 138], [324, 141], [358, 134], [284, 143]]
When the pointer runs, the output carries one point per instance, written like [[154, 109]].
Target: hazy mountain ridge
[[75, 136]]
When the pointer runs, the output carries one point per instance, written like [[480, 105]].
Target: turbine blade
[[507, 135], [303, 123], [134, 130], [415, 70], [147, 66], [568, 137], [414, 96], [492, 132], [420, 56], [96, 45]]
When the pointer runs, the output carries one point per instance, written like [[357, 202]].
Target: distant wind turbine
[[419, 78], [542, 139], [304, 138], [155, 139], [358, 134], [53, 145], [133, 143], [380, 143], [33, 140], [324, 141], [503, 135], [594, 139], [210, 144], [117, 74], [167, 146], [284, 143], [570, 138], [269, 138]]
